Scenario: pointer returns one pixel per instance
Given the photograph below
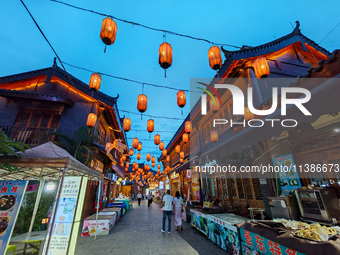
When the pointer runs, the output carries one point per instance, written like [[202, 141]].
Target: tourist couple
[[168, 203]]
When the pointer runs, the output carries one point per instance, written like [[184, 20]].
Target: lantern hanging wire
[[141, 115], [164, 40]]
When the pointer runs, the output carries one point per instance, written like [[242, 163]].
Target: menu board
[[64, 216], [289, 180], [11, 194], [253, 243]]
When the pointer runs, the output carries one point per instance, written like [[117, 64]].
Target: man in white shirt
[[139, 197], [167, 211]]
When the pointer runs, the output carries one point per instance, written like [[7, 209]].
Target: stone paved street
[[138, 232]]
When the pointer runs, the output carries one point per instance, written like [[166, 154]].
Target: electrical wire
[[329, 33], [146, 27], [160, 131], [128, 79], [153, 116], [149, 140]]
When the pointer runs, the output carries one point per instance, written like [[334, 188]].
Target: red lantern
[[136, 166], [142, 103], [91, 120], [167, 159], [157, 139], [153, 164], [215, 58], [165, 55], [214, 104], [95, 81], [139, 147], [181, 160], [261, 68], [148, 157], [123, 157], [248, 115], [121, 165], [164, 152], [131, 152], [214, 136], [108, 31], [127, 124], [161, 146], [178, 149], [159, 166], [135, 143], [187, 127], [181, 99], [181, 154], [153, 159], [138, 156], [150, 125], [185, 138]]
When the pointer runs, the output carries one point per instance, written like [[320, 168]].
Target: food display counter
[[105, 224], [126, 201], [199, 220], [275, 238], [222, 230], [108, 211]]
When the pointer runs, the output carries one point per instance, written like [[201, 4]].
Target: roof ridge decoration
[[259, 49], [66, 76]]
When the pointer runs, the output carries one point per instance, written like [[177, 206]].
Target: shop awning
[[118, 171], [45, 161]]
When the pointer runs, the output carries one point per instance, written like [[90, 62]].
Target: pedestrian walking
[[149, 199], [178, 208], [139, 197], [167, 211]]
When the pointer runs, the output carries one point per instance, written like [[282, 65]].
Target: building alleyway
[[138, 232]]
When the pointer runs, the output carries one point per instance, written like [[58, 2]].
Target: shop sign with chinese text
[[11, 194], [257, 243]]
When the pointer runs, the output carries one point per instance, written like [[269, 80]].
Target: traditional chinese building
[[289, 57], [52, 105]]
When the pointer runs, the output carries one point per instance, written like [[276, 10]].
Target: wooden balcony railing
[[30, 136]]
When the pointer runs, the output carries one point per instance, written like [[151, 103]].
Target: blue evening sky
[[75, 36]]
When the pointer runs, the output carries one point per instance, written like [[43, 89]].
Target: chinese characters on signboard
[[253, 243], [64, 216], [11, 194]]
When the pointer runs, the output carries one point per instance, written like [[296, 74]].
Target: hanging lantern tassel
[[182, 111], [164, 73], [105, 49]]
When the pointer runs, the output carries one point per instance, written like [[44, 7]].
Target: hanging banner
[[195, 184], [11, 194], [64, 216], [188, 174]]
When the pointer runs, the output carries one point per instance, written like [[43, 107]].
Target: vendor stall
[[105, 222], [199, 220], [272, 237], [49, 162], [222, 230], [126, 201]]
